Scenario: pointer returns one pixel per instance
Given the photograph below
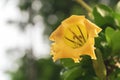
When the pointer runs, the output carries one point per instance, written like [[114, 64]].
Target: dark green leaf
[[73, 73], [99, 20], [117, 18], [67, 62], [103, 16]]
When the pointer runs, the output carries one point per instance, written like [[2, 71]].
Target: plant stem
[[84, 5]]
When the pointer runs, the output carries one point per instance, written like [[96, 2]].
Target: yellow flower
[[73, 38]]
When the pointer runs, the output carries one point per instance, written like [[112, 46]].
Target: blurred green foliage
[[42, 69], [107, 16]]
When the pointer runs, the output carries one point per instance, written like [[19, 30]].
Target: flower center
[[76, 36]]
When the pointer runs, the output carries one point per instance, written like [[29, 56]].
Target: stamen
[[75, 36], [73, 41], [81, 33]]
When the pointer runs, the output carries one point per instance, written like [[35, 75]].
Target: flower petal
[[93, 29]]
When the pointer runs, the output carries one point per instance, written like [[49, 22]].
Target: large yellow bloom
[[73, 38]]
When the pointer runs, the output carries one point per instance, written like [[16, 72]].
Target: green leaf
[[116, 14], [83, 70], [115, 41], [68, 63], [109, 33], [118, 7], [113, 38], [99, 20], [104, 10], [78, 73], [117, 18], [73, 73], [103, 15]]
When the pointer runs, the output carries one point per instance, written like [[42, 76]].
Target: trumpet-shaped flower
[[73, 38]]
